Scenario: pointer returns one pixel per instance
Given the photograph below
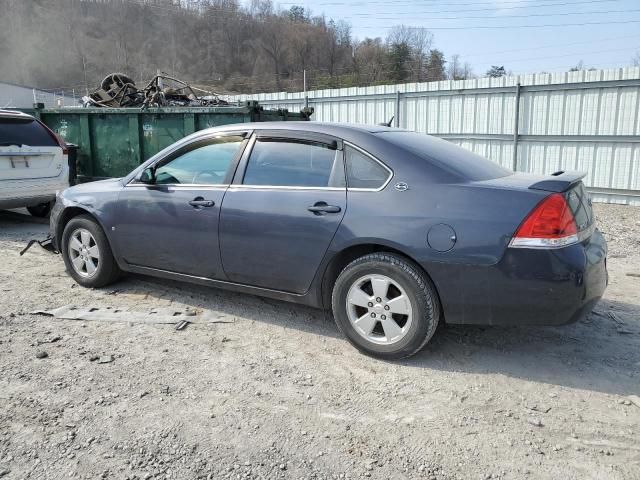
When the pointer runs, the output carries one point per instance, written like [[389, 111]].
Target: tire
[[410, 298], [41, 211], [97, 251]]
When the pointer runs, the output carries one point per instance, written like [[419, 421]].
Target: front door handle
[[200, 202], [321, 207]]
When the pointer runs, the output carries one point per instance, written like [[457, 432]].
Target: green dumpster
[[113, 141]]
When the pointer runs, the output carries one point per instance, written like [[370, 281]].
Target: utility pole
[[516, 127], [304, 88]]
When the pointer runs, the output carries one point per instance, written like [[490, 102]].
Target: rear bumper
[[528, 287], [26, 193], [20, 202]]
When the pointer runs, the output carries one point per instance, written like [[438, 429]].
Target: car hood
[[108, 185]]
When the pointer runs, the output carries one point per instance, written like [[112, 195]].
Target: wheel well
[[346, 256], [65, 218]]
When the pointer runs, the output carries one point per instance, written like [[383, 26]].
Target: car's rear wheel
[[87, 254], [385, 305], [42, 210]]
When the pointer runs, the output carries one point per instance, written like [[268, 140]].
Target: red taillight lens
[[61, 142], [550, 224]]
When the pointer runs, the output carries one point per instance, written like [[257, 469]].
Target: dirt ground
[[277, 393]]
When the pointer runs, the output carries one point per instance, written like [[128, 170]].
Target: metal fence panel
[[587, 120]]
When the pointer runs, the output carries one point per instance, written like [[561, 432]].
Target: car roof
[[14, 114], [329, 128]]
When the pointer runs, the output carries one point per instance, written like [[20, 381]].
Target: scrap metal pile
[[119, 90]]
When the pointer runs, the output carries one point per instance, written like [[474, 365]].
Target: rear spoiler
[[561, 181]]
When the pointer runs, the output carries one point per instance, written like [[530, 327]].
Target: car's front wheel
[[87, 254], [385, 305]]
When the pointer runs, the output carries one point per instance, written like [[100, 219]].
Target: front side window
[[291, 163], [202, 164], [363, 171]]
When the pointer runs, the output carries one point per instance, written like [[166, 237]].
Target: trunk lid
[[567, 183]]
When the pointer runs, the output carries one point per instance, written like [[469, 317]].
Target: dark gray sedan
[[393, 230]]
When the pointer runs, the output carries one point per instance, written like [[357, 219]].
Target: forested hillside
[[224, 45]]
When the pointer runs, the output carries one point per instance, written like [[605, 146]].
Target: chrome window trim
[[176, 185], [284, 187], [372, 157], [204, 135]]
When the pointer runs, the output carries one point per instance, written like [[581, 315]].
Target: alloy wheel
[[379, 309], [84, 253]]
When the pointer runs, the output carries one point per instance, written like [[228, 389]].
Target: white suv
[[34, 163]]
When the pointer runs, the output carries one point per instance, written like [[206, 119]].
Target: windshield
[[446, 155]]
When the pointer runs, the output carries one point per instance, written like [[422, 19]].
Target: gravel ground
[[276, 393]]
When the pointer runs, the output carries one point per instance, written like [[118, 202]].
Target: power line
[[518, 4], [553, 45], [600, 12], [502, 27], [520, 60], [472, 27], [207, 11]]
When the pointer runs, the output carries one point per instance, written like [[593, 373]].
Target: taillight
[[550, 225], [58, 139]]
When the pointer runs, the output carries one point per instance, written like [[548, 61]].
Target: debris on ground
[[42, 354], [635, 399], [106, 359], [536, 422], [124, 314], [119, 90], [182, 325]]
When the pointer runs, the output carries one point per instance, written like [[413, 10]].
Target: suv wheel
[[87, 254], [385, 305]]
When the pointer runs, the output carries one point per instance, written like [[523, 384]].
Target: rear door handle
[[200, 202], [321, 207]]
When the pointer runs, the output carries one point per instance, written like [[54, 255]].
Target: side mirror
[[148, 176]]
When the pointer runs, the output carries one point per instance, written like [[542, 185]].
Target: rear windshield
[[448, 156], [19, 131], [580, 206]]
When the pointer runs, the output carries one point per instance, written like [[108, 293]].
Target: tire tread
[[429, 301], [110, 270]]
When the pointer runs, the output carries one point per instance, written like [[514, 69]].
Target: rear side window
[[363, 171], [17, 131], [293, 163], [446, 155]]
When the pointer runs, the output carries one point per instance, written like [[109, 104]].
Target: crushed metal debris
[[119, 90]]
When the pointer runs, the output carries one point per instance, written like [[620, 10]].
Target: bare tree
[[227, 45], [578, 67], [419, 42], [458, 70], [273, 43]]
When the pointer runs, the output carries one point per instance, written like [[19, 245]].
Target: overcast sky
[[505, 37]]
